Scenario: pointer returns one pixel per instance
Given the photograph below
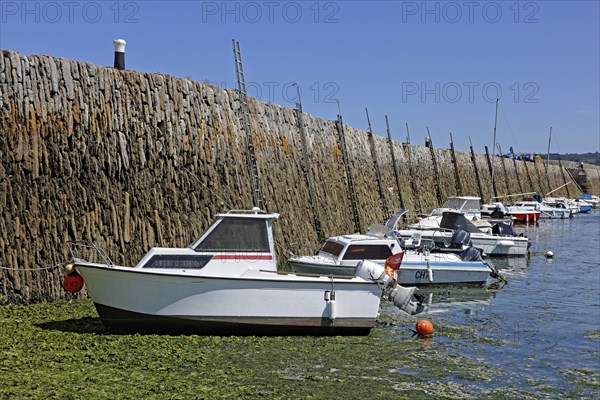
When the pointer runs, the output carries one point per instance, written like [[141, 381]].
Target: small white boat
[[558, 211], [562, 202], [494, 210], [340, 255], [227, 282], [493, 240]]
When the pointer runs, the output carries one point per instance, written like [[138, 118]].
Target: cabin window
[[368, 252], [175, 261], [333, 248], [237, 234]]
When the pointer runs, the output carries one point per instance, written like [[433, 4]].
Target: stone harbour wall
[[130, 160]]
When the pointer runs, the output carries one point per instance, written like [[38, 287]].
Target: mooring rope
[[32, 269]]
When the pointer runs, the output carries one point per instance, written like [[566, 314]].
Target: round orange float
[[424, 327]]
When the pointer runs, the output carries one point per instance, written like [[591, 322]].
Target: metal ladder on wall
[[257, 195]]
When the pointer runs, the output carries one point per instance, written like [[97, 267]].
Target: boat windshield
[[457, 203], [237, 234], [368, 252], [331, 247]]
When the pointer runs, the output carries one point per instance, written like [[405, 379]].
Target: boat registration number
[[422, 274]]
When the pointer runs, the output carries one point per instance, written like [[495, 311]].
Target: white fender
[[429, 272], [506, 243], [330, 304], [331, 309]]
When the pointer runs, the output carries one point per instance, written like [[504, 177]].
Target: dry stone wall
[[130, 160]]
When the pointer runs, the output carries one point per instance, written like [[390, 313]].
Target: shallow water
[[543, 328]]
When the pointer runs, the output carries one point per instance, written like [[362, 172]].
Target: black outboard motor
[[497, 213], [460, 238], [502, 228], [471, 254]]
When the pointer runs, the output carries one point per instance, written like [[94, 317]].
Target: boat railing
[[76, 248], [255, 210]]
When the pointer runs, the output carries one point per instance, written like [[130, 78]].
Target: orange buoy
[[424, 327], [73, 283]]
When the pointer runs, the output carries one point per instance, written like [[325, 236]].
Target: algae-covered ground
[[61, 351]]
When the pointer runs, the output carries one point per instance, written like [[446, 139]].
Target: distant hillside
[[588, 158]]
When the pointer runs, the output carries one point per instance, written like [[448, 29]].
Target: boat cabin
[[349, 249], [240, 236]]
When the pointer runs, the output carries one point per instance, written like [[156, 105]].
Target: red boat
[[523, 214]]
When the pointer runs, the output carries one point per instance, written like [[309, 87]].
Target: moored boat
[[523, 213], [583, 205], [227, 282], [593, 200], [498, 239], [340, 255], [468, 205], [558, 211]]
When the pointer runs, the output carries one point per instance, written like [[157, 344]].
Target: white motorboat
[[494, 210], [575, 206], [494, 240], [340, 255], [559, 211], [227, 282], [468, 205]]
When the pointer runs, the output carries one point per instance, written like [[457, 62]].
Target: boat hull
[[525, 216], [413, 273], [120, 319], [494, 246], [261, 304], [555, 214]]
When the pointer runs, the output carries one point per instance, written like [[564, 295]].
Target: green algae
[[62, 351]]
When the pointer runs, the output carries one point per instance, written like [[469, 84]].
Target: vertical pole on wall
[[490, 163], [493, 193], [384, 207], [438, 186], [391, 144], [548, 161], [562, 171], [413, 180], [455, 163], [353, 200], [506, 180], [518, 174], [538, 166], [528, 176], [314, 201], [474, 160]]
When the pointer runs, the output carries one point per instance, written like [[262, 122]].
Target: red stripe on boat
[[241, 257]]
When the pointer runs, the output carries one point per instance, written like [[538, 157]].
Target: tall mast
[[494, 150], [548, 159], [548, 154]]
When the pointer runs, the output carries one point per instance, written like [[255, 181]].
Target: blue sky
[[436, 65]]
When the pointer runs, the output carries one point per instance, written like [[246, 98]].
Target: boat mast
[[494, 150], [548, 155]]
